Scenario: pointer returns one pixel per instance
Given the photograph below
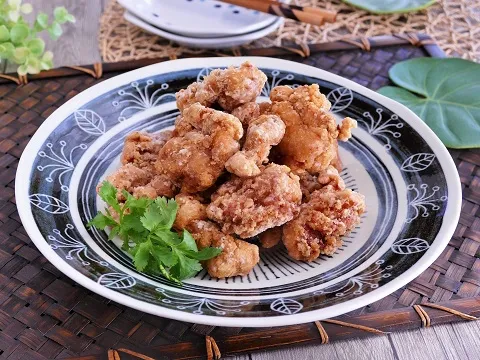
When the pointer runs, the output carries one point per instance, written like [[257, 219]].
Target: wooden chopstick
[[310, 15]]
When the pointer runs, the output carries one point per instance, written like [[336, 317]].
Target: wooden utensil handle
[[309, 15]]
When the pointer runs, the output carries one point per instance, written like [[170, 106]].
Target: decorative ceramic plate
[[205, 43], [198, 18], [411, 185]]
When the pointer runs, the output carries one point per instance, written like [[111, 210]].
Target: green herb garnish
[[145, 225]]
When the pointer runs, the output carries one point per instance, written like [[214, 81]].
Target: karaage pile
[[251, 169]]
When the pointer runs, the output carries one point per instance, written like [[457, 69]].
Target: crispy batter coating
[[229, 88], [189, 209], [345, 129], [140, 182], [249, 206], [263, 133], [270, 237], [141, 149], [337, 162], [311, 182], [310, 139], [238, 257], [246, 113], [329, 215], [204, 140]]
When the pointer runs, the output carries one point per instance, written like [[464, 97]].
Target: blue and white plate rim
[[447, 229]]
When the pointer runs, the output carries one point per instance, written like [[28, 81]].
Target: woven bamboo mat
[[454, 24], [45, 315]]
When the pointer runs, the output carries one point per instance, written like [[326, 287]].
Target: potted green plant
[[19, 40]]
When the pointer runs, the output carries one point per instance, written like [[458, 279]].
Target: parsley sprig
[[145, 225]]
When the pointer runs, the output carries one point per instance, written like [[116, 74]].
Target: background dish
[[209, 43], [197, 18]]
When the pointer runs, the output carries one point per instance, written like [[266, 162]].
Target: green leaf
[[60, 13], [14, 4], [132, 222], [33, 65], [4, 33], [188, 243], [26, 8], [14, 15], [22, 70], [205, 254], [47, 56], [70, 18], [160, 214], [42, 20], [164, 255], [390, 6], [142, 256], [185, 268], [19, 33], [6, 50], [55, 30], [444, 94], [20, 55], [108, 193], [36, 46], [101, 221]]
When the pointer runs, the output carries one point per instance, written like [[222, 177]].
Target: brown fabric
[[454, 24], [45, 315]]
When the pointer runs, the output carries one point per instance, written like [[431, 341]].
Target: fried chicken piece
[[237, 257], [139, 182], [329, 215], [310, 141], [190, 209], [311, 182], [141, 149], [229, 88], [249, 206], [270, 237], [246, 113], [137, 175], [345, 129], [337, 162], [204, 139], [263, 133]]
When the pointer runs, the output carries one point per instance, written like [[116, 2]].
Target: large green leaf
[[445, 93], [390, 6]]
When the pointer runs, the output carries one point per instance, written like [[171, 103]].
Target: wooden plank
[[372, 348], [79, 43]]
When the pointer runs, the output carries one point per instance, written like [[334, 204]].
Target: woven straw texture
[[454, 24], [45, 315]]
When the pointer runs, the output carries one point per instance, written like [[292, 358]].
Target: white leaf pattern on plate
[[117, 281], [49, 203], [217, 306], [61, 162], [204, 72], [382, 128], [140, 99], [90, 122], [422, 201], [286, 306], [75, 247], [269, 85], [418, 162], [409, 246], [340, 98], [357, 284]]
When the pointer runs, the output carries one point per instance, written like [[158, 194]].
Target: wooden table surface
[[78, 46]]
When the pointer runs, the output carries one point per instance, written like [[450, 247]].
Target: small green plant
[[19, 41]]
